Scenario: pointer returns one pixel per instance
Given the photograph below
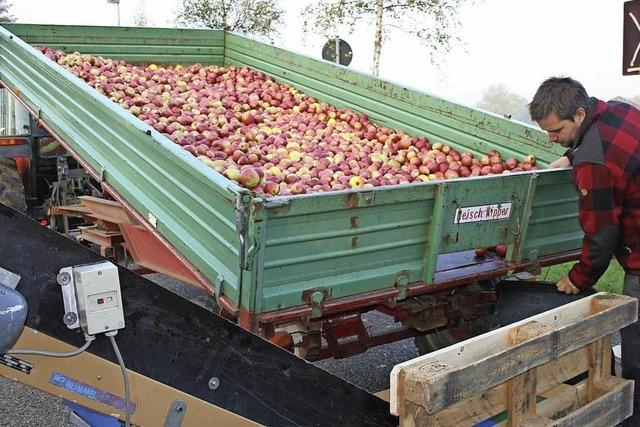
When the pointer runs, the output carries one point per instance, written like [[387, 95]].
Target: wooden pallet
[[515, 375]]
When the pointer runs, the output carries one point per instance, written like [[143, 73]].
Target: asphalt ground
[[22, 406]]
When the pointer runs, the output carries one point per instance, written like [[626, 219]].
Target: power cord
[[88, 340], [127, 394]]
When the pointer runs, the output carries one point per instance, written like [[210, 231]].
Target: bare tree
[[141, 19], [251, 17], [5, 16], [499, 99], [434, 22]]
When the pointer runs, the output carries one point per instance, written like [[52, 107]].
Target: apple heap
[[499, 250], [270, 137]]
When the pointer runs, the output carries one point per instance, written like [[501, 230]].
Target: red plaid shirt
[[606, 171]]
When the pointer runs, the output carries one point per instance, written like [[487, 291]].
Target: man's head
[[560, 107]]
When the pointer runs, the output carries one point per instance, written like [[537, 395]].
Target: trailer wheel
[[433, 341], [11, 187]]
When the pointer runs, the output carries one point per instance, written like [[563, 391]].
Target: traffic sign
[[631, 39], [337, 50]]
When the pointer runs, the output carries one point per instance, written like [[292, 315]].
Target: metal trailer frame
[[304, 256]]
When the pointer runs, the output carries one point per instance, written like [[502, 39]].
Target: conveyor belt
[[182, 345]]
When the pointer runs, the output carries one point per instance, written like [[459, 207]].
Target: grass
[[611, 280]]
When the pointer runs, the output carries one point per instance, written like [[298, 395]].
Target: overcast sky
[[514, 42]]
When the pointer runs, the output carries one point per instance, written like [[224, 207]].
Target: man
[[603, 141]]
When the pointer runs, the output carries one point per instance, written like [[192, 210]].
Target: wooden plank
[[492, 402], [443, 378], [614, 406], [603, 303], [521, 389], [415, 416], [560, 401], [537, 422], [526, 332], [599, 365], [521, 398], [563, 399], [566, 404], [557, 371], [569, 407]]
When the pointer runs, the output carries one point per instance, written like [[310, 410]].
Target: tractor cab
[[37, 174]]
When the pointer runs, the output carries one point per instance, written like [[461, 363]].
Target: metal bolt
[[100, 273], [98, 377], [63, 279], [69, 318], [317, 297], [214, 383]]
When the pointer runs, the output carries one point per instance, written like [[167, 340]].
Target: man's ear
[[580, 115]]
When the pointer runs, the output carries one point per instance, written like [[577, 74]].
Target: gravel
[[27, 407]]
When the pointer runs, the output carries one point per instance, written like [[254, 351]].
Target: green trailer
[[306, 262]]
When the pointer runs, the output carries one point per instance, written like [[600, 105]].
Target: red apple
[[249, 178], [501, 250], [481, 252], [497, 168]]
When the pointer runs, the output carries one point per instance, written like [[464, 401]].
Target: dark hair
[[560, 95]]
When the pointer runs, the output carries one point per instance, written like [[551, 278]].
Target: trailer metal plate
[[176, 412], [8, 279]]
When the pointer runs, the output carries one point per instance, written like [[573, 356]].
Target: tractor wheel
[[11, 187]]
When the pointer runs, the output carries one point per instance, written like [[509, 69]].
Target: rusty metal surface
[[446, 279]]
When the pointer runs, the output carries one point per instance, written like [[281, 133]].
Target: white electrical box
[[99, 299]]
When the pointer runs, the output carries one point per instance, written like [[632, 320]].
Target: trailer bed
[[266, 256]]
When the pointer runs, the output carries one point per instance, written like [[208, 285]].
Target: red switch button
[[100, 301]]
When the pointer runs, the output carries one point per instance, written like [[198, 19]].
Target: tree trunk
[[377, 46]]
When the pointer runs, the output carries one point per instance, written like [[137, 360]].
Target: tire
[[11, 187], [433, 341]]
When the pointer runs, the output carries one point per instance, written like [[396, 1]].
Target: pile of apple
[[270, 137]]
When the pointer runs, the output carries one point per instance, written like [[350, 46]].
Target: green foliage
[[611, 281], [141, 19], [500, 100], [248, 17], [5, 16], [434, 22]]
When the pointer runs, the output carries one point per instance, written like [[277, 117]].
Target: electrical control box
[[99, 300]]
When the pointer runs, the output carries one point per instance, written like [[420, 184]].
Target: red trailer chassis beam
[[388, 297]]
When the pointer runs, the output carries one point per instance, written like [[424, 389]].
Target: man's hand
[[565, 285], [562, 162]]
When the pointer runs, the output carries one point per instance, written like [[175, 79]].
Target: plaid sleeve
[[599, 216]]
